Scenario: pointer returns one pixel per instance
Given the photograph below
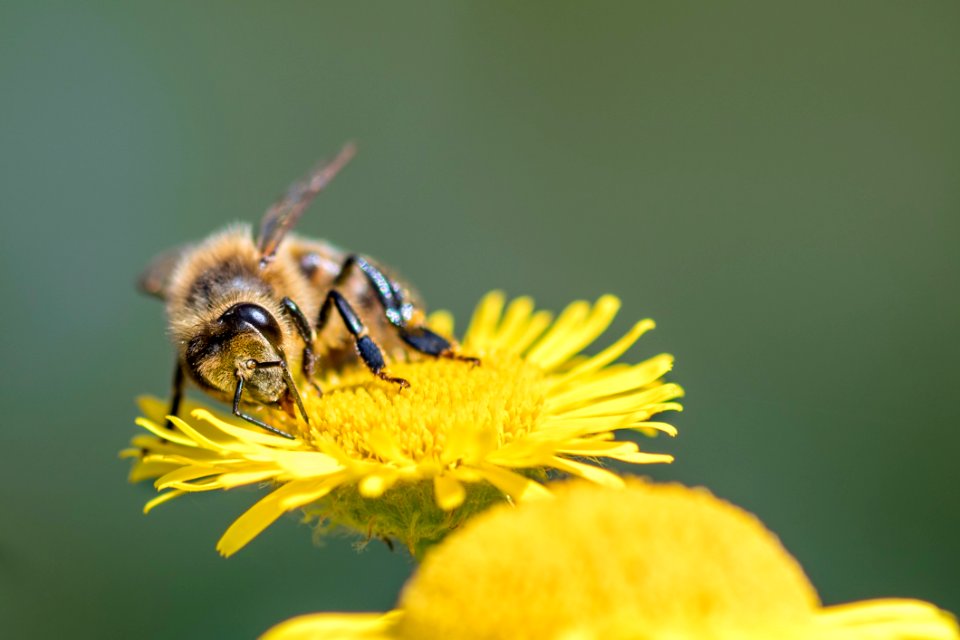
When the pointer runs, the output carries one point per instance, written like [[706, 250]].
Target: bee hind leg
[[425, 341], [368, 350], [398, 312]]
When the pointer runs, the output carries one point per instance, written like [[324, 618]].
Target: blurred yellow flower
[[645, 562], [413, 464]]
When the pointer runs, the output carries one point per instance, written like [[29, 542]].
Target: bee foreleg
[[237, 395], [369, 351], [287, 380], [309, 361]]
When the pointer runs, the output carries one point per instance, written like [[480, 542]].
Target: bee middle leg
[[369, 351], [177, 396], [398, 312], [308, 363]]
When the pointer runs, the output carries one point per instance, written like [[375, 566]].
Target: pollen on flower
[[503, 397], [413, 464]]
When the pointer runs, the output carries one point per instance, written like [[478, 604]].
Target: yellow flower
[[645, 562], [413, 464]]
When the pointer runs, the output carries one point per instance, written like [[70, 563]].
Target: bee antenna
[[322, 176]]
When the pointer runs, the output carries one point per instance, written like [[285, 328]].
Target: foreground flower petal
[[413, 464], [657, 562], [357, 626]]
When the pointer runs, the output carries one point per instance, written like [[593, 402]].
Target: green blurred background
[[775, 183]]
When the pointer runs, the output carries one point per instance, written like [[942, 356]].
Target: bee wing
[[280, 218], [156, 276]]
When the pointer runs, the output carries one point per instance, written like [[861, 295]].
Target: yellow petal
[[468, 445], [167, 434], [634, 402], [153, 407], [640, 457], [441, 322], [336, 626], [144, 470], [386, 446], [523, 453], [886, 620], [448, 492], [601, 315], [588, 472], [483, 324], [197, 438], [373, 485], [594, 447], [160, 499], [183, 475], [306, 464], [267, 510], [650, 428], [513, 484], [563, 329], [240, 478], [623, 381], [537, 325], [254, 435], [515, 320], [609, 354]]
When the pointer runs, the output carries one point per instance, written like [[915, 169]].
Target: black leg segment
[[389, 295], [369, 351], [288, 380], [177, 396], [308, 363], [352, 321], [299, 320], [398, 312], [425, 341], [237, 395]]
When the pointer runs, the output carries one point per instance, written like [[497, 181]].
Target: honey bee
[[237, 307]]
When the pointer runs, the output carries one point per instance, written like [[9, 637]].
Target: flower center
[[501, 399]]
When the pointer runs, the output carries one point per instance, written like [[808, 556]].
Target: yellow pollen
[[502, 397]]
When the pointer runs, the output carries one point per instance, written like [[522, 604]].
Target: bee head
[[235, 346]]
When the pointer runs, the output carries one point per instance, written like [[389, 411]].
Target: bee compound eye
[[255, 316]]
